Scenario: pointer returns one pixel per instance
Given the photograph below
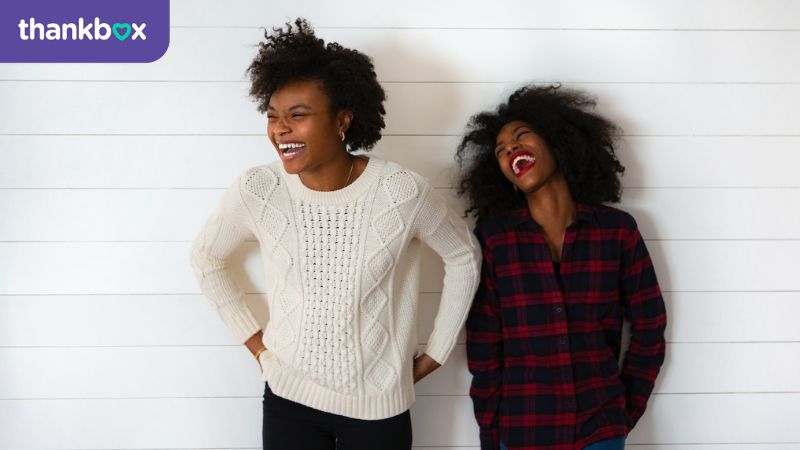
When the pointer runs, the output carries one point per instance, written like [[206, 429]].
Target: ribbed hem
[[292, 386], [347, 194]]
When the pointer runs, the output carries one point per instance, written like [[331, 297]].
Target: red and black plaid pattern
[[544, 349]]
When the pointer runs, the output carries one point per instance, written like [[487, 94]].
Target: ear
[[343, 119]]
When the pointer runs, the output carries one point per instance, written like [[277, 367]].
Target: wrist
[[258, 352]]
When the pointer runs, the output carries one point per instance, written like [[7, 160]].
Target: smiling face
[[302, 127], [524, 157]]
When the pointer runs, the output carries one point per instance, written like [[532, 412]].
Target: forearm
[[423, 366]]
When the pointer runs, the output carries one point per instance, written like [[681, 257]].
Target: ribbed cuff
[[240, 320], [439, 348]]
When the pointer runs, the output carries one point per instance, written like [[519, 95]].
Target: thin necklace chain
[[352, 164]]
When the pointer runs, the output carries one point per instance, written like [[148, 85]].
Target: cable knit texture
[[342, 271]]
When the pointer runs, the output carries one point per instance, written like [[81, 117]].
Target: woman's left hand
[[423, 365]]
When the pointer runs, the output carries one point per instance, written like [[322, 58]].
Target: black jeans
[[289, 425]]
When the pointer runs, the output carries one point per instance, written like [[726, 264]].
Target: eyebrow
[[512, 132], [297, 106]]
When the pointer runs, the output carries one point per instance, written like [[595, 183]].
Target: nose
[[511, 147], [279, 127]]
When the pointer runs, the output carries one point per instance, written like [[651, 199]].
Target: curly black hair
[[294, 53], [581, 141]]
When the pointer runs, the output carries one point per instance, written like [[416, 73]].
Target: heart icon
[[121, 26]]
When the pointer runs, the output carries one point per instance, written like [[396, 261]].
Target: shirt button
[[563, 342], [559, 309]]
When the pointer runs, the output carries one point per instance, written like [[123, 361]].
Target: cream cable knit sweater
[[342, 271]]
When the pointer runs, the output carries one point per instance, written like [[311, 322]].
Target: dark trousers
[[289, 425]]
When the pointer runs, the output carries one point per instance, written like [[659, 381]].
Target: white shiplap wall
[[108, 171]]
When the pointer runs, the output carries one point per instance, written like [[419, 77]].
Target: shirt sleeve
[[644, 309], [485, 352], [223, 233], [448, 235]]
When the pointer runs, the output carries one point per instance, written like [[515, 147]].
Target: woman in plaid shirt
[[560, 273]]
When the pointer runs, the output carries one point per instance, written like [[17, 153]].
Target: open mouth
[[290, 150], [522, 162]]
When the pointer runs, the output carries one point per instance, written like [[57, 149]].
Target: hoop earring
[[341, 135]]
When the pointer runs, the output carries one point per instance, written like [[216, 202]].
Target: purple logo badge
[[83, 30]]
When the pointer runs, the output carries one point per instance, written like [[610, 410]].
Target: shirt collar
[[584, 212]]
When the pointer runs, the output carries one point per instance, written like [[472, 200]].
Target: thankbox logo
[[31, 30], [83, 30]]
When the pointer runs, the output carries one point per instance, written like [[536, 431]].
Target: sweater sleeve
[[222, 234], [644, 308], [448, 235]]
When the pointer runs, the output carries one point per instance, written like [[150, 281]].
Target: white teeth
[[516, 168], [290, 148]]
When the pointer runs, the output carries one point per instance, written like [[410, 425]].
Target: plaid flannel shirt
[[544, 349]]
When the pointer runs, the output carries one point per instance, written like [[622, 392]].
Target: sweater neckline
[[347, 194]]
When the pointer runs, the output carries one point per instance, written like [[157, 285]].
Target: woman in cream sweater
[[340, 238]]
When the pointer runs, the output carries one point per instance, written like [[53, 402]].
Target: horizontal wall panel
[[148, 162], [189, 320], [156, 372], [106, 215], [163, 268], [114, 268], [725, 418], [732, 316], [122, 320], [142, 162], [689, 368], [130, 424], [412, 108], [760, 418], [702, 161], [728, 368], [726, 266], [715, 213], [437, 421], [144, 372], [179, 214], [472, 55], [681, 14]]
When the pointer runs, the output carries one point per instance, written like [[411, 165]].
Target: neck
[[552, 206], [331, 175]]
